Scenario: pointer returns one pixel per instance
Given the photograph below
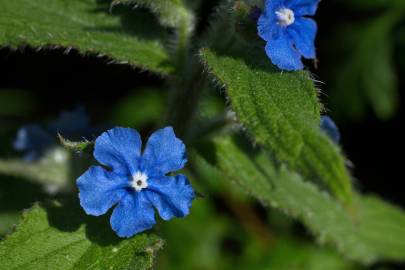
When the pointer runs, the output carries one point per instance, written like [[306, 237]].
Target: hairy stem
[[184, 101], [187, 82]]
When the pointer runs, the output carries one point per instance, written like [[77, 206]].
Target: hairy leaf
[[378, 233], [85, 25], [281, 110], [170, 12], [78, 147], [60, 236]]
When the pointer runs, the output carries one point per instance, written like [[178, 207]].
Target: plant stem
[[186, 83], [184, 101]]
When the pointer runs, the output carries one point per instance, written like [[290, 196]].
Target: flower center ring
[[139, 181], [285, 16]]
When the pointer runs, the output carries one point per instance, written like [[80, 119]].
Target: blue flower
[[34, 140], [330, 128], [137, 183], [288, 33]]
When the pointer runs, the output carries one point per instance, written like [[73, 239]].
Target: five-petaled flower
[[137, 183], [288, 33]]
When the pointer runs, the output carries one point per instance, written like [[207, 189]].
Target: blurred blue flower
[[288, 33], [137, 182], [73, 124], [330, 128], [34, 140]]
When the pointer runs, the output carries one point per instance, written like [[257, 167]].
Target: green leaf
[[60, 236], [126, 37], [77, 147], [293, 254], [170, 12], [282, 111], [52, 170], [378, 233]]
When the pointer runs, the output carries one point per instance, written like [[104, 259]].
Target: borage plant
[[240, 109]]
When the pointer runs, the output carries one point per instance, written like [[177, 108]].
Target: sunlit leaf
[[377, 233], [60, 236], [85, 25], [170, 12], [282, 112]]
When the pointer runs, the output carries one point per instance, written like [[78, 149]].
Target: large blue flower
[[288, 33], [137, 183]]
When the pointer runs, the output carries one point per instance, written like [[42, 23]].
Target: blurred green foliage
[[16, 103], [364, 60], [365, 75], [140, 108]]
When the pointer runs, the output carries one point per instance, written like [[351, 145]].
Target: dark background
[[61, 81]]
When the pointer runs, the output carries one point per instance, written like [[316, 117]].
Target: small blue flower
[[288, 33], [137, 183], [330, 128]]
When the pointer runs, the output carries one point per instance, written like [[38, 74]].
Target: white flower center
[[285, 16], [139, 181]]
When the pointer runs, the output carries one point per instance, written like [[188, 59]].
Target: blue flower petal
[[303, 7], [119, 148], [171, 196], [164, 152], [330, 128], [273, 5], [99, 190], [283, 54], [303, 33], [267, 25], [134, 214]]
